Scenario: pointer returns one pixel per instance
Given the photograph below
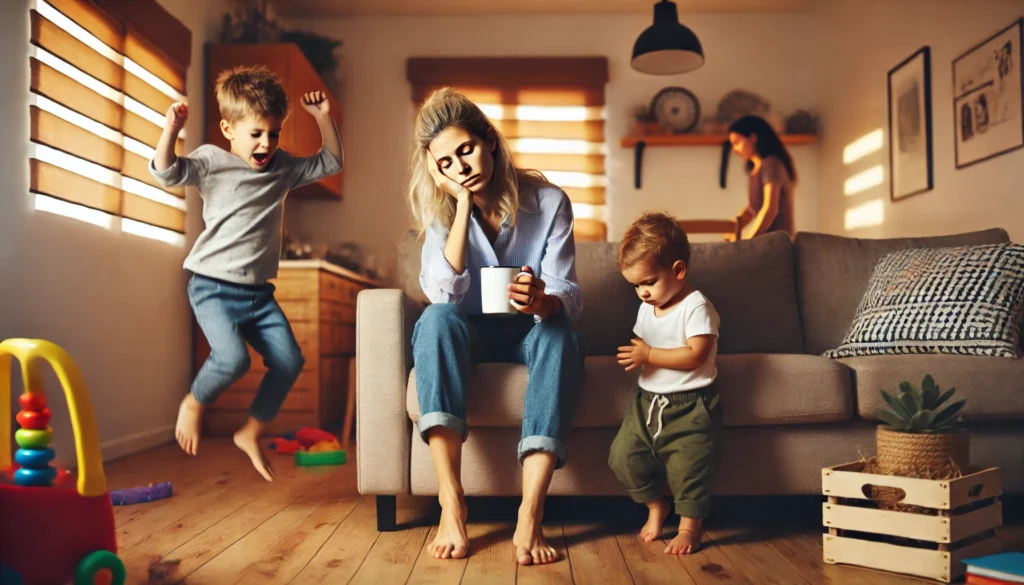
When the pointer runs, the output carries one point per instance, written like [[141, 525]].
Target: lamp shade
[[667, 47]]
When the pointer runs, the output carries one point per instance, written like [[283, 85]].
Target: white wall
[[859, 41], [114, 301], [768, 54]]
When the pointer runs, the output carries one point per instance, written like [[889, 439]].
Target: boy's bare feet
[[657, 510], [188, 429], [688, 540], [452, 541], [247, 439], [531, 548]]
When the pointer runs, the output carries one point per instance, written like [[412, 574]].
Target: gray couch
[[788, 411]]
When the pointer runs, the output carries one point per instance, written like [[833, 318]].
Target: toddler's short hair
[[250, 91], [655, 236]]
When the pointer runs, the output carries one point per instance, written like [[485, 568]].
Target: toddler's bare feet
[[452, 541], [188, 429], [657, 510], [247, 439], [531, 548], [688, 540]]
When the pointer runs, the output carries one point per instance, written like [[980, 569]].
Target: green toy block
[[307, 459]]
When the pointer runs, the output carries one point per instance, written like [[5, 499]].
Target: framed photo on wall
[[988, 114], [910, 125]]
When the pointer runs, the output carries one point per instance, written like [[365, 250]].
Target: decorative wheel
[[677, 109], [101, 566]]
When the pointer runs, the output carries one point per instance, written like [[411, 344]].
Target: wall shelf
[[639, 143]]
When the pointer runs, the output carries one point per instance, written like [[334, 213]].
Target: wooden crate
[[959, 522]]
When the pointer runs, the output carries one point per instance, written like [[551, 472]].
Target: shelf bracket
[[638, 162]]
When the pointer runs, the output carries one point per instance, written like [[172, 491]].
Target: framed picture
[[987, 85], [910, 125]]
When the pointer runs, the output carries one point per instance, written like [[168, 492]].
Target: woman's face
[[464, 158], [743, 145]]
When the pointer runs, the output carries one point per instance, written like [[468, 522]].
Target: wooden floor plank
[[647, 562], [595, 556], [557, 573], [711, 565], [227, 566], [761, 563], [431, 571], [298, 548], [341, 556], [492, 559], [392, 557]]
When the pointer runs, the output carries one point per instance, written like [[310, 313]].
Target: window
[[99, 91], [552, 112]]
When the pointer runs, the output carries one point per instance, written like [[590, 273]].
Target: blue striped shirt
[[541, 238]]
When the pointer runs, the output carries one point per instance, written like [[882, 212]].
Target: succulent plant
[[917, 411]]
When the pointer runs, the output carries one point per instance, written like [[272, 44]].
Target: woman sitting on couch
[[477, 209]]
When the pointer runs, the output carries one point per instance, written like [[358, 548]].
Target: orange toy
[[52, 533]]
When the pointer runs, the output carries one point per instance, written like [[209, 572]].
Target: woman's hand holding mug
[[527, 292]]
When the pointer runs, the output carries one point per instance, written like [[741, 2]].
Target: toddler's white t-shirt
[[694, 315]]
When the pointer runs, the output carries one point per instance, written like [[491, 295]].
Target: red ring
[[34, 420]]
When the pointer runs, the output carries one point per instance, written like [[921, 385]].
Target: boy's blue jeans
[[231, 315], [446, 342]]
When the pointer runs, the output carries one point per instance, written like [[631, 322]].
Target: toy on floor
[[310, 447], [52, 533], [139, 495]]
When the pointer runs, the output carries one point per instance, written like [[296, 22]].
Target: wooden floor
[[226, 525]]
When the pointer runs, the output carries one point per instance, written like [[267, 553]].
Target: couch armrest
[[384, 322]]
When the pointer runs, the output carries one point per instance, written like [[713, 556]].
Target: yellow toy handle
[[91, 482]]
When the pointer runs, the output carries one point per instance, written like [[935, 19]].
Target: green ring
[[33, 438], [95, 562]]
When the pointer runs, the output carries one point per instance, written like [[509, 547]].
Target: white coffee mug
[[494, 281]]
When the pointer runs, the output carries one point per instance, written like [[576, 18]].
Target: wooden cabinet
[[300, 134], [319, 300]]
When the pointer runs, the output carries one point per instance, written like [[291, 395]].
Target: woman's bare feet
[[188, 429], [452, 540], [688, 540], [531, 548], [657, 511], [247, 439]]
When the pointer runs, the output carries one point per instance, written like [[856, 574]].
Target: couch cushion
[[756, 389], [966, 300], [832, 273], [993, 387]]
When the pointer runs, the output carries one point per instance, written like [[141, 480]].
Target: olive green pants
[[669, 438]]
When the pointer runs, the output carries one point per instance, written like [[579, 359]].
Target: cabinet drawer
[[332, 312], [296, 401], [308, 380], [300, 311], [337, 289], [337, 339]]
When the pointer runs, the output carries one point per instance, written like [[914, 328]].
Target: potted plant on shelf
[[919, 439]]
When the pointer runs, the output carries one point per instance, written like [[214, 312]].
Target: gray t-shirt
[[242, 208], [773, 170]]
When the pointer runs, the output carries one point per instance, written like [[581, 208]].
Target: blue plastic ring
[[35, 477], [34, 458]]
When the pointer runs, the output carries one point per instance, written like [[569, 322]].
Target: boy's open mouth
[[260, 157]]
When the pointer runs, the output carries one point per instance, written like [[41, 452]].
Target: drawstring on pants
[[662, 402]]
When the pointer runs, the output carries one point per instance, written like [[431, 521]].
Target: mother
[[477, 209]]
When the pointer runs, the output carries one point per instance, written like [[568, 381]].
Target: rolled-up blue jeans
[[446, 342]]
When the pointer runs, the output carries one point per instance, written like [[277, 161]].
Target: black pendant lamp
[[667, 47]]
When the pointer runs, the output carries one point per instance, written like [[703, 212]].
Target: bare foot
[[688, 540], [247, 439], [657, 511], [452, 541], [188, 429], [531, 548]]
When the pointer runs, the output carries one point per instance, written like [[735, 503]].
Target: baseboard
[[138, 442]]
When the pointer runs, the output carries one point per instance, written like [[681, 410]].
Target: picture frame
[[988, 110], [909, 88]]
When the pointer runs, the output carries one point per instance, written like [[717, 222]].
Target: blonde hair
[[447, 108], [655, 236], [250, 91]]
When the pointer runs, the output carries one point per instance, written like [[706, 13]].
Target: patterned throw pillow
[[965, 301]]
